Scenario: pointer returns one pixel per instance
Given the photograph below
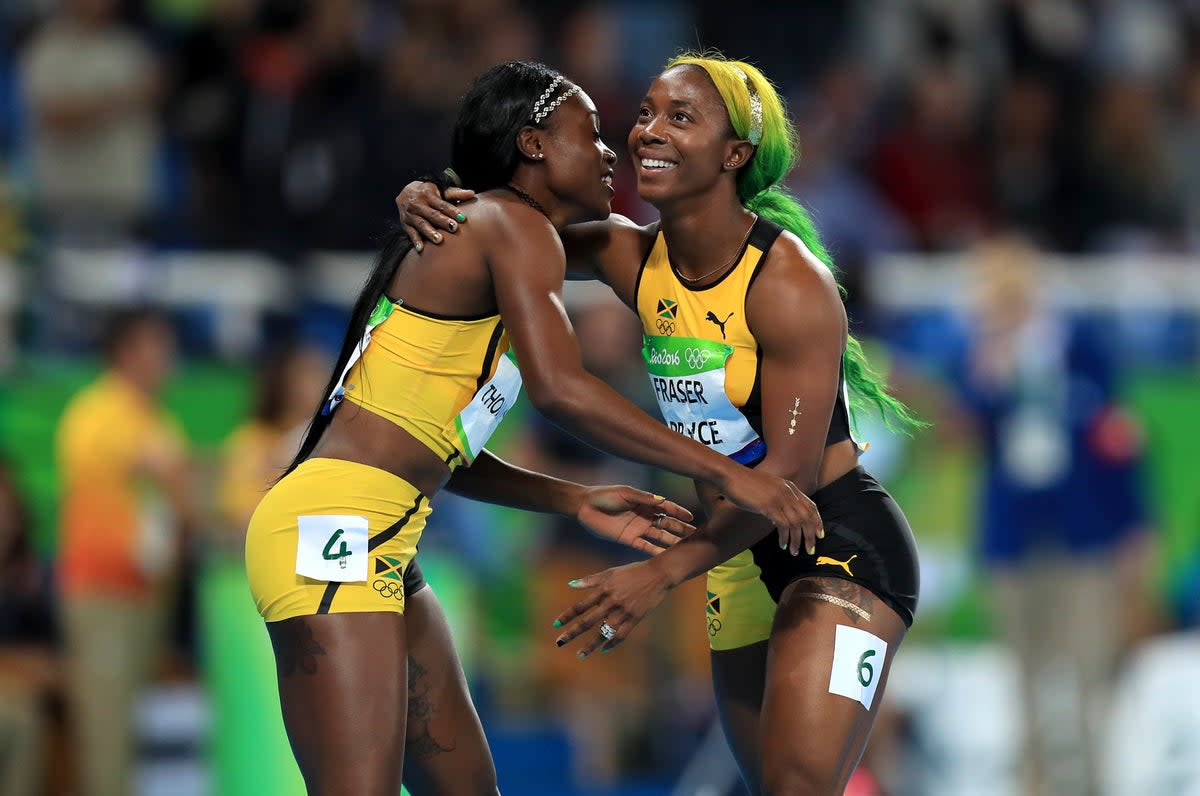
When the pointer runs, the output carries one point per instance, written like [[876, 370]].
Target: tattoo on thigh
[[850, 592], [845, 605], [855, 600], [297, 649], [420, 743]]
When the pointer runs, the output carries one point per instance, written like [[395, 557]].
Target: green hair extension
[[760, 191]]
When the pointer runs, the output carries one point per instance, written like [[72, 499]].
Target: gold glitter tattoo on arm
[[794, 412]]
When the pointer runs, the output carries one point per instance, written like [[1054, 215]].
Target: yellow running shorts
[[740, 611], [333, 537]]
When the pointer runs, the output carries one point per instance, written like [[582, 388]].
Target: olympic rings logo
[[697, 357], [665, 326], [714, 625], [388, 589]]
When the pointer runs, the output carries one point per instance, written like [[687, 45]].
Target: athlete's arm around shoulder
[[611, 250]]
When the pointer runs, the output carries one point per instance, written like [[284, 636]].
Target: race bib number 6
[[858, 658], [332, 547]]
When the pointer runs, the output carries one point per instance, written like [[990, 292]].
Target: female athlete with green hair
[[748, 351]]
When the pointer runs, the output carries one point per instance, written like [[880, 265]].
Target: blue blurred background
[[1011, 189]]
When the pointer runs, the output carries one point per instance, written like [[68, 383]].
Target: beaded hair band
[[756, 113], [541, 110]]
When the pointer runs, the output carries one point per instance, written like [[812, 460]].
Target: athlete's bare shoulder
[[504, 221], [791, 277], [615, 230], [791, 265], [501, 209], [611, 250], [623, 229]]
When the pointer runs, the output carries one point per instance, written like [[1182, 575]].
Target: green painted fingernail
[[419, 246], [557, 623], [606, 649], [812, 550], [783, 545], [572, 582], [581, 655], [460, 217]]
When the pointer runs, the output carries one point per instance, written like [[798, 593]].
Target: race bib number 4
[[858, 658], [332, 547]]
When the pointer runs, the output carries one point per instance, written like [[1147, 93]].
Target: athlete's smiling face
[[681, 139], [579, 164]]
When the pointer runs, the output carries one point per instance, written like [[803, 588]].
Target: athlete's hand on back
[[793, 514], [643, 521], [423, 211]]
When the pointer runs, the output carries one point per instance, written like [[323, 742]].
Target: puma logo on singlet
[[712, 317], [833, 562]]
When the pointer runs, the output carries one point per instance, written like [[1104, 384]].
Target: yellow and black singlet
[[448, 381], [704, 364]]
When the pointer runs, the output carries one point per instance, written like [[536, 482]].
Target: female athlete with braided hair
[[747, 348], [426, 371]]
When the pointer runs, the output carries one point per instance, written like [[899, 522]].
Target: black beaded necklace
[[519, 192]]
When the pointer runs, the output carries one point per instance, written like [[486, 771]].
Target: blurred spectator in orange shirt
[[124, 473]]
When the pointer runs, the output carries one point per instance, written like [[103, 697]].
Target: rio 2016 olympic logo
[[665, 326], [389, 589], [697, 357], [714, 626]]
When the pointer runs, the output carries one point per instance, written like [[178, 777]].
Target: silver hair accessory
[[608, 631], [541, 110], [756, 113], [537, 106]]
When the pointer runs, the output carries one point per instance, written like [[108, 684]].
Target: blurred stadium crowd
[[286, 126], [1011, 189]]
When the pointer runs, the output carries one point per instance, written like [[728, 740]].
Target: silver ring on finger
[[608, 631]]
